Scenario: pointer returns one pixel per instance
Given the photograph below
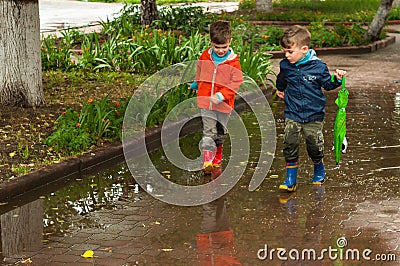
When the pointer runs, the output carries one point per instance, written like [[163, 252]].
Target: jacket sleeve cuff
[[333, 78], [194, 86], [220, 97]]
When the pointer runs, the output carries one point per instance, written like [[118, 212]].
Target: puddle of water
[[360, 196]]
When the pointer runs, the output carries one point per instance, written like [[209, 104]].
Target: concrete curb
[[99, 159], [372, 47], [305, 23]]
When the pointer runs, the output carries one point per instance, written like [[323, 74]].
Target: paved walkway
[[61, 14]]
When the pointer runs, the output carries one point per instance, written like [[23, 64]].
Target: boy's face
[[295, 53], [221, 49]]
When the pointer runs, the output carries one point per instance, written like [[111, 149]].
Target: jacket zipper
[[213, 79], [299, 75], [212, 84]]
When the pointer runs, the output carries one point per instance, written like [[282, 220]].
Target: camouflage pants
[[312, 132]]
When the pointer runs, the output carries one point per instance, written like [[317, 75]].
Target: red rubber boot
[[218, 156], [208, 157]]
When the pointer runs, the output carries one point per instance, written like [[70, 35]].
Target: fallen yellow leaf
[[27, 261], [88, 254], [11, 154]]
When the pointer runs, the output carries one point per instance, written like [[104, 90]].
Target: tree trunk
[[375, 28], [149, 11], [264, 5], [21, 67]]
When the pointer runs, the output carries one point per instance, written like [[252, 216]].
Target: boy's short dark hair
[[220, 32], [296, 35]]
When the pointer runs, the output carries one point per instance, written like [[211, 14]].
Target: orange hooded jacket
[[225, 78]]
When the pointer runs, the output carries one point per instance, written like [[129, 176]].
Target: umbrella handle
[[343, 81]]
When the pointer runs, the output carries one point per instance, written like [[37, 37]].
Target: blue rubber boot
[[319, 173], [290, 184]]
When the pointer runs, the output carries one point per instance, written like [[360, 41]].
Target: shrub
[[77, 131]]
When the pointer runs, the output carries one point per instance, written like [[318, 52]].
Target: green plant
[[56, 54], [254, 63], [76, 132], [23, 152], [338, 35], [69, 137], [20, 170], [187, 19]]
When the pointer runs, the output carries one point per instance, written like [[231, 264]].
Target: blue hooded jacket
[[302, 83]]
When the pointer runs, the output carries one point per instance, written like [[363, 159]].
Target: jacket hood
[[310, 56], [313, 55]]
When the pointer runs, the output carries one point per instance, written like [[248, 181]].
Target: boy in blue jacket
[[300, 81]]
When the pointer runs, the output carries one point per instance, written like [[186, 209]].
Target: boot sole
[[207, 168], [319, 183], [288, 189]]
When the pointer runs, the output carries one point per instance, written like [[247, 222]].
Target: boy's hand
[[280, 94], [339, 74]]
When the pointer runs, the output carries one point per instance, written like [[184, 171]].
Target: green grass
[[318, 11], [330, 6]]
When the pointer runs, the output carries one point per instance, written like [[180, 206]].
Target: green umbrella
[[339, 129]]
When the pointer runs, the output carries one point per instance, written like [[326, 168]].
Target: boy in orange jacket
[[217, 80]]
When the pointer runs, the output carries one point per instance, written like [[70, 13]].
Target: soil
[[22, 130]]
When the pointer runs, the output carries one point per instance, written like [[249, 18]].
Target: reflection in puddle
[[215, 241], [396, 113], [22, 228]]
